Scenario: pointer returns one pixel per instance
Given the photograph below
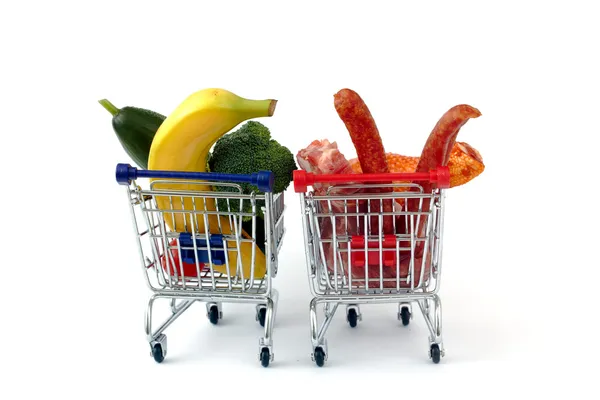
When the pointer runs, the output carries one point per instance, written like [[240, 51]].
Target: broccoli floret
[[247, 150]]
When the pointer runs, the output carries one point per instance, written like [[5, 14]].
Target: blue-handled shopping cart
[[201, 239]]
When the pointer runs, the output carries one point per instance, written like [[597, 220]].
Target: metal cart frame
[[342, 220], [194, 266]]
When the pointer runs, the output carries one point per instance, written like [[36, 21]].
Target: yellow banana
[[183, 141], [260, 264]]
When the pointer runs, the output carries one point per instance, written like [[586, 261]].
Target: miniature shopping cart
[[367, 241], [192, 252]]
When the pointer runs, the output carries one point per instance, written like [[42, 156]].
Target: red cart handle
[[439, 176]]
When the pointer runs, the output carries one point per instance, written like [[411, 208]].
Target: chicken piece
[[465, 164]]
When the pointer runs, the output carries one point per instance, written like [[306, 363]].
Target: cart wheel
[[262, 315], [319, 356], [435, 353], [352, 317], [405, 316], [213, 315], [157, 353], [265, 357]]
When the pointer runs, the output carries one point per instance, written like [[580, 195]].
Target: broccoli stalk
[[246, 150]]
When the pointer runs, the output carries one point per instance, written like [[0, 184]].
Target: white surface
[[520, 267]]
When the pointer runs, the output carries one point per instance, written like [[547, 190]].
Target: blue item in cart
[[216, 249]]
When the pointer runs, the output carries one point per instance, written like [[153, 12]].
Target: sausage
[[440, 142], [371, 154], [363, 131], [436, 153]]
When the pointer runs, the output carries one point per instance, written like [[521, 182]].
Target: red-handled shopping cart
[[373, 238]]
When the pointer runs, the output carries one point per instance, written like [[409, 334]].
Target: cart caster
[[261, 315], [319, 356], [352, 316], [404, 315], [159, 348], [213, 313], [265, 357], [157, 353], [435, 353]]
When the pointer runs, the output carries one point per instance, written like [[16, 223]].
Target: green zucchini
[[135, 128]]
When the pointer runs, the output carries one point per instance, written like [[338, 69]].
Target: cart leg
[[275, 298], [318, 333], [158, 348], [319, 343], [158, 340], [271, 310], [265, 343], [174, 307], [436, 315], [314, 324], [327, 309], [148, 319], [432, 312]]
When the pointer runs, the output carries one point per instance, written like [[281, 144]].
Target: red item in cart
[[371, 154], [388, 258], [316, 159], [357, 118], [173, 267], [323, 157], [436, 153]]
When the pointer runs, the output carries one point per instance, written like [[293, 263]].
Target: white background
[[520, 266]]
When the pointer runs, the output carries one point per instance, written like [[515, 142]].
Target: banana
[[183, 142]]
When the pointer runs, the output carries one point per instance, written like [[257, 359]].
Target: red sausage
[[438, 147], [362, 128], [436, 152], [371, 154]]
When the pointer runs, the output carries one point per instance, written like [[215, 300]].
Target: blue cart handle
[[263, 179]]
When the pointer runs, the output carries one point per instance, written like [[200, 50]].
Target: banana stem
[[110, 107], [272, 107]]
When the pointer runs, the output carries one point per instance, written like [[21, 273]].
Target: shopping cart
[[369, 242], [222, 262]]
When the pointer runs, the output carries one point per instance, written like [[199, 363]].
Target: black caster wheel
[[319, 355], [157, 353], [435, 353], [352, 317], [405, 316], [213, 315], [262, 316], [265, 357]]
